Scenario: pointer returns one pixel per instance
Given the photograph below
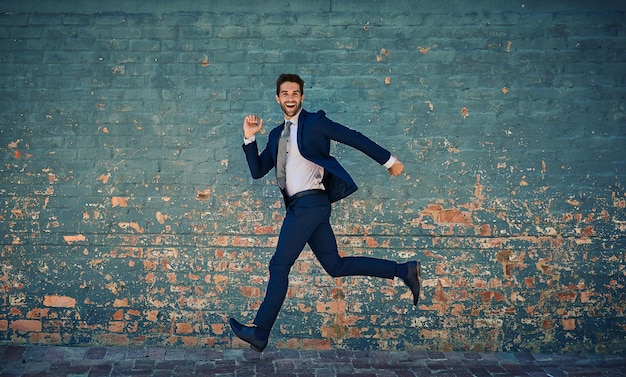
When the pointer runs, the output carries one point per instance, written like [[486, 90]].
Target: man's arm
[[261, 164], [357, 140]]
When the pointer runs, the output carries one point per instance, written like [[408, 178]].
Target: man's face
[[290, 98]]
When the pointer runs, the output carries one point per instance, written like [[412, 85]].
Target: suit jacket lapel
[[301, 121]]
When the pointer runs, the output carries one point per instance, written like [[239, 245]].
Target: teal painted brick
[[145, 45]]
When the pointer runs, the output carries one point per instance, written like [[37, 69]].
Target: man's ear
[[277, 99]]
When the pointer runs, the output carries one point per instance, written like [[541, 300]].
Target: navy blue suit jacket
[[315, 132]]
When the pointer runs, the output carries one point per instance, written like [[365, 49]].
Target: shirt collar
[[295, 118]]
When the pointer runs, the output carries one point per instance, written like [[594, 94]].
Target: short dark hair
[[289, 77]]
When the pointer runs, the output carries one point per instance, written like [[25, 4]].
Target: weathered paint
[[128, 215]]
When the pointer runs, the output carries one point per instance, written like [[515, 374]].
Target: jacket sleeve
[[259, 164], [355, 139]]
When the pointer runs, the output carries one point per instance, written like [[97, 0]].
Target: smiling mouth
[[291, 107]]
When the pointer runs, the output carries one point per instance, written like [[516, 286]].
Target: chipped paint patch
[[76, 238]]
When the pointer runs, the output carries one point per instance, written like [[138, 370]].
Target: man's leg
[[303, 217], [291, 241], [290, 245], [324, 246]]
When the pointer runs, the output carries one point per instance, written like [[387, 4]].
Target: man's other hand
[[396, 169]]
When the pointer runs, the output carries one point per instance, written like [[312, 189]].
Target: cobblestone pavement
[[31, 361]]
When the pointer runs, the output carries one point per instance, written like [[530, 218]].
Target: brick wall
[[128, 215]]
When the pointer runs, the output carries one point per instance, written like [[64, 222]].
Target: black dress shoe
[[246, 333], [413, 280]]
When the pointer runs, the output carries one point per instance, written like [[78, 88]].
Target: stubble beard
[[291, 112]]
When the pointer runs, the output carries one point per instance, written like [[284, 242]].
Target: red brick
[[250, 291], [568, 324], [26, 325], [133, 313], [152, 315], [59, 301], [435, 334], [117, 201], [189, 341], [266, 229], [46, 339], [184, 328], [218, 328], [331, 307], [446, 216], [371, 242], [318, 344], [37, 313], [15, 312], [113, 339], [76, 238]]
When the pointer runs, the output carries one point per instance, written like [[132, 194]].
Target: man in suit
[[310, 179]]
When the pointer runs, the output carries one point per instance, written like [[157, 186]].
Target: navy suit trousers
[[308, 221]]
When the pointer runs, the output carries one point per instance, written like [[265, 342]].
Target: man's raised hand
[[251, 125]]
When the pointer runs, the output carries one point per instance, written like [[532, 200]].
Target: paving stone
[[242, 362]]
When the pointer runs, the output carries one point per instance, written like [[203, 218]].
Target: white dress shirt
[[301, 173]]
